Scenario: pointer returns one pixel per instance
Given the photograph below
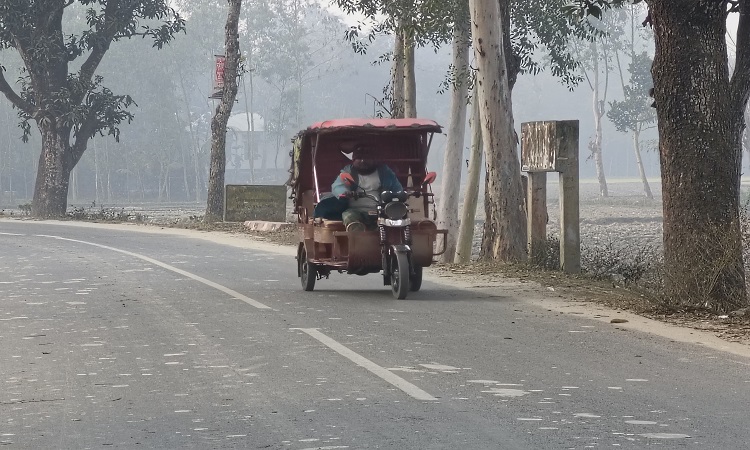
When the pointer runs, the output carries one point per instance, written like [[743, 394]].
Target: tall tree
[[699, 107], [634, 114], [596, 54], [215, 200], [71, 107], [413, 23], [505, 222], [452, 159], [471, 194], [528, 28]]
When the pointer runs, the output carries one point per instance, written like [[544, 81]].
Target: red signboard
[[218, 88]]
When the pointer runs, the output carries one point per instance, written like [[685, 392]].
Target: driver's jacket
[[388, 181]]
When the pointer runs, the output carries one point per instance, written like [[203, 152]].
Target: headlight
[[395, 223], [396, 210]]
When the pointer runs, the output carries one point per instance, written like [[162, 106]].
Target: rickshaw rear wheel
[[308, 272], [399, 275], [415, 280]]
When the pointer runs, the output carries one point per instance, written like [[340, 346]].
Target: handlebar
[[356, 194]]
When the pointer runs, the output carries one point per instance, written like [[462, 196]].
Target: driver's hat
[[361, 150]]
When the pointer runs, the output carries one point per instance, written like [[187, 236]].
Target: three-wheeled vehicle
[[404, 241]]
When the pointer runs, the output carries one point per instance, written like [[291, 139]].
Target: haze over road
[[139, 337]]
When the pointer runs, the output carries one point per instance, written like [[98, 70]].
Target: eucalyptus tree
[[465, 237], [505, 221], [596, 56], [450, 186], [528, 28], [634, 113], [412, 23], [69, 106], [699, 108], [525, 29]]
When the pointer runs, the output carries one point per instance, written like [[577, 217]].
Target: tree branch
[[88, 68], [83, 134], [14, 98]]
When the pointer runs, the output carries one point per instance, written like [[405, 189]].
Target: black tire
[[399, 275], [415, 281], [307, 271]]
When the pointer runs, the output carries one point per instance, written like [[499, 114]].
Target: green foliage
[[581, 9], [635, 110], [76, 101], [423, 21], [536, 26]]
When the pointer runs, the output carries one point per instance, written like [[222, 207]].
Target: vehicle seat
[[335, 225]]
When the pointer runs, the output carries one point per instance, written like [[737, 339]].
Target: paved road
[[117, 337]]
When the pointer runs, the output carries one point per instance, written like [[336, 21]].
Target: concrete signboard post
[[255, 202], [552, 146]]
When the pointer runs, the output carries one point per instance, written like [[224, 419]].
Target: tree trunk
[[397, 75], [639, 162], [596, 145], [183, 153], [73, 187], [194, 145], [108, 171], [250, 124], [505, 222], [53, 173], [451, 178], [700, 128], [471, 194], [410, 79], [215, 201]]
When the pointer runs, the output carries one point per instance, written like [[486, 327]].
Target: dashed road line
[[361, 361]]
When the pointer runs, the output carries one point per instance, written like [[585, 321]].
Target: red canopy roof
[[427, 124]]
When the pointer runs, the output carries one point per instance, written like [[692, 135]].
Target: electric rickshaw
[[404, 240]]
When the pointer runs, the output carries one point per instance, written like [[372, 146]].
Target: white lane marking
[[210, 283], [361, 361], [12, 234]]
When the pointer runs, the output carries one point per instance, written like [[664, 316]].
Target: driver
[[370, 176]]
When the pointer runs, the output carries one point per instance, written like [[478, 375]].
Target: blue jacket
[[388, 180]]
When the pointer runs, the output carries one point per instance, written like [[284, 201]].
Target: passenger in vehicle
[[371, 177]]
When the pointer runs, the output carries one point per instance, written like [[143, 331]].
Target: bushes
[[622, 262], [626, 262], [103, 214]]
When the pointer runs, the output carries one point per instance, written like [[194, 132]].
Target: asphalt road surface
[[140, 337]]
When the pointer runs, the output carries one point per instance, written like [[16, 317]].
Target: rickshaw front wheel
[[415, 280], [399, 275], [308, 272]]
